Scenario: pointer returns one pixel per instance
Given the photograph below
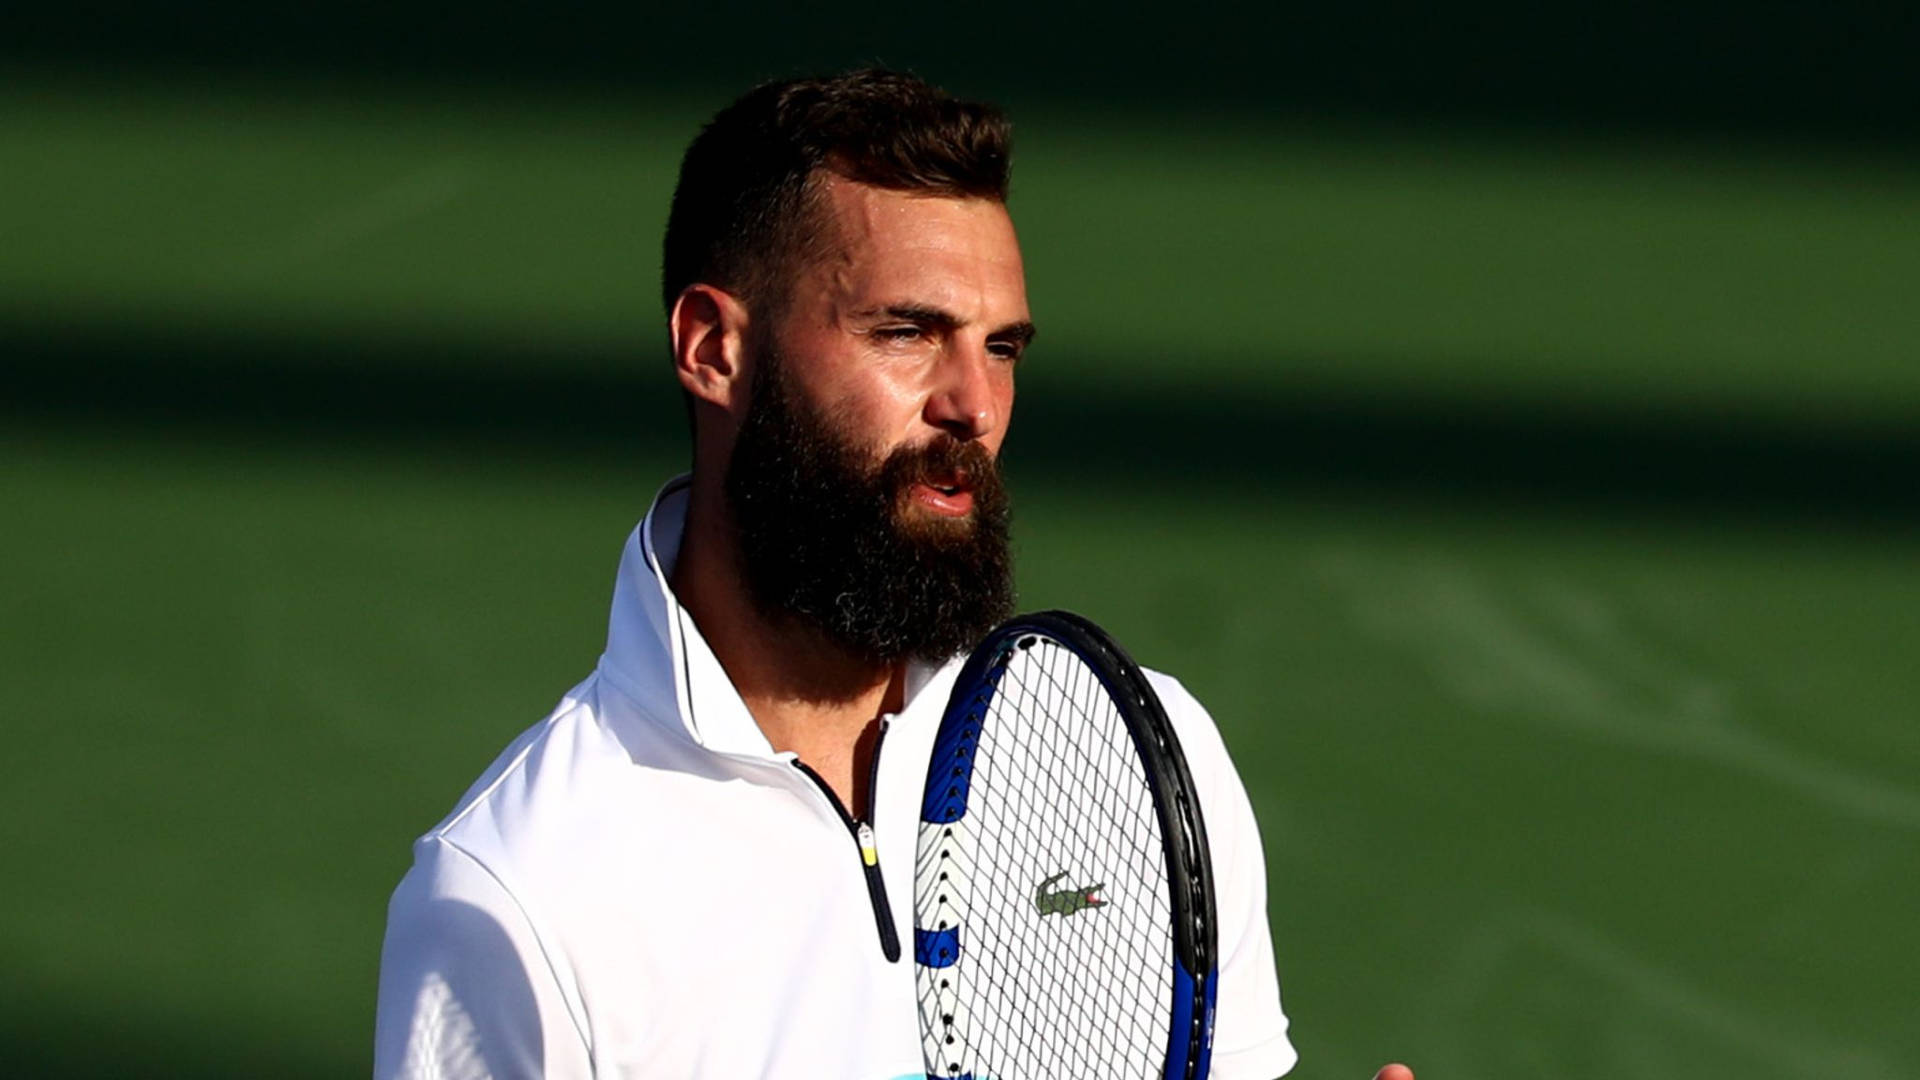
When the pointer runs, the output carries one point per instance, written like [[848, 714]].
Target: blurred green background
[[1505, 421]]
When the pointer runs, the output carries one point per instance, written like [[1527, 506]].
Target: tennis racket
[[1063, 896]]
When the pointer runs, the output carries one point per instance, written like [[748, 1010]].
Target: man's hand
[[1394, 1072]]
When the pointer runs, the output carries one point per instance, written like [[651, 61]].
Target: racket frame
[[1176, 804]]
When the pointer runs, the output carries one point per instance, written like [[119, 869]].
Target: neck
[[807, 694]]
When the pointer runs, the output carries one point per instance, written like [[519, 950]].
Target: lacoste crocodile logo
[[1066, 902]]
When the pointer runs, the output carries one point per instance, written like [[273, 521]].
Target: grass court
[[1527, 510]]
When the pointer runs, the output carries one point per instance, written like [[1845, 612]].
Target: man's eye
[[897, 333], [1006, 351]]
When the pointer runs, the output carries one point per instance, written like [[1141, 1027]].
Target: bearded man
[[700, 864]]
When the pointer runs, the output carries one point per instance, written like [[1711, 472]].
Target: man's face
[[910, 324], [864, 481]]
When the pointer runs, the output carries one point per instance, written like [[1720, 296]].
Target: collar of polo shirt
[[653, 644]]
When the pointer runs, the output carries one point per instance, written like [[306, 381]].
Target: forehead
[[959, 252]]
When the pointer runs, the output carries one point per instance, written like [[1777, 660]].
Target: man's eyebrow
[[923, 314], [1020, 333]]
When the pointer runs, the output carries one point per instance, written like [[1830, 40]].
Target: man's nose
[[964, 403]]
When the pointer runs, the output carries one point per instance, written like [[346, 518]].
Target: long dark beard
[[824, 540]]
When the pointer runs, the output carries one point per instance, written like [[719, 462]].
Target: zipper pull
[[869, 852]]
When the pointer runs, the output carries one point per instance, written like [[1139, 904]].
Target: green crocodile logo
[[1065, 902]]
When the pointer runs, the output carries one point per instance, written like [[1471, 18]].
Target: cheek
[[886, 410], [1003, 403], [877, 418]]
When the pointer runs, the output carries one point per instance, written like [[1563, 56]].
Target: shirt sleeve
[[465, 989], [1250, 1039]]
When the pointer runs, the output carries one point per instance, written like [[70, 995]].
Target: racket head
[[1064, 909]]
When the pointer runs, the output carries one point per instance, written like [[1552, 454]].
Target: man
[[700, 865]]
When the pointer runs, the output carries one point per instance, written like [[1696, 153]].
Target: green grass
[[1167, 249], [1537, 792], [1543, 792], [1547, 794], [243, 682]]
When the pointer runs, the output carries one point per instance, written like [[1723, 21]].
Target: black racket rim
[[1176, 804]]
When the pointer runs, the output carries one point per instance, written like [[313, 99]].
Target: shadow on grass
[[1839, 69], [45, 1043], [496, 399]]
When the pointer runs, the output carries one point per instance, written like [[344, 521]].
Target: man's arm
[[465, 989], [1250, 1029]]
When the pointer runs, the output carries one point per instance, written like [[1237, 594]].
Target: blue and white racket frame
[[1189, 866]]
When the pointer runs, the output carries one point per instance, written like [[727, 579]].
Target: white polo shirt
[[641, 886]]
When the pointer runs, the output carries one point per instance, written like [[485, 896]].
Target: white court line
[[412, 196], [1488, 656]]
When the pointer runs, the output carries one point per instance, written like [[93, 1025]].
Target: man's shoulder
[[1208, 760], [1191, 721], [549, 774], [1172, 692]]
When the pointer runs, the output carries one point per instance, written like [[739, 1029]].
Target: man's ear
[[709, 329]]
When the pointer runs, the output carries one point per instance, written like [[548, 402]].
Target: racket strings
[[1056, 880]]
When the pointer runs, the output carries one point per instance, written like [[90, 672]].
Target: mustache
[[945, 460]]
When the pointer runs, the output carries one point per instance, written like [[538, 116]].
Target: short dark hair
[[745, 208]]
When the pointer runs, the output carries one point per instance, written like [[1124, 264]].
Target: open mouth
[[948, 494], [949, 483], [949, 480]]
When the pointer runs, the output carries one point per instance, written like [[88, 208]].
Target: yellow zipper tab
[[869, 853]]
